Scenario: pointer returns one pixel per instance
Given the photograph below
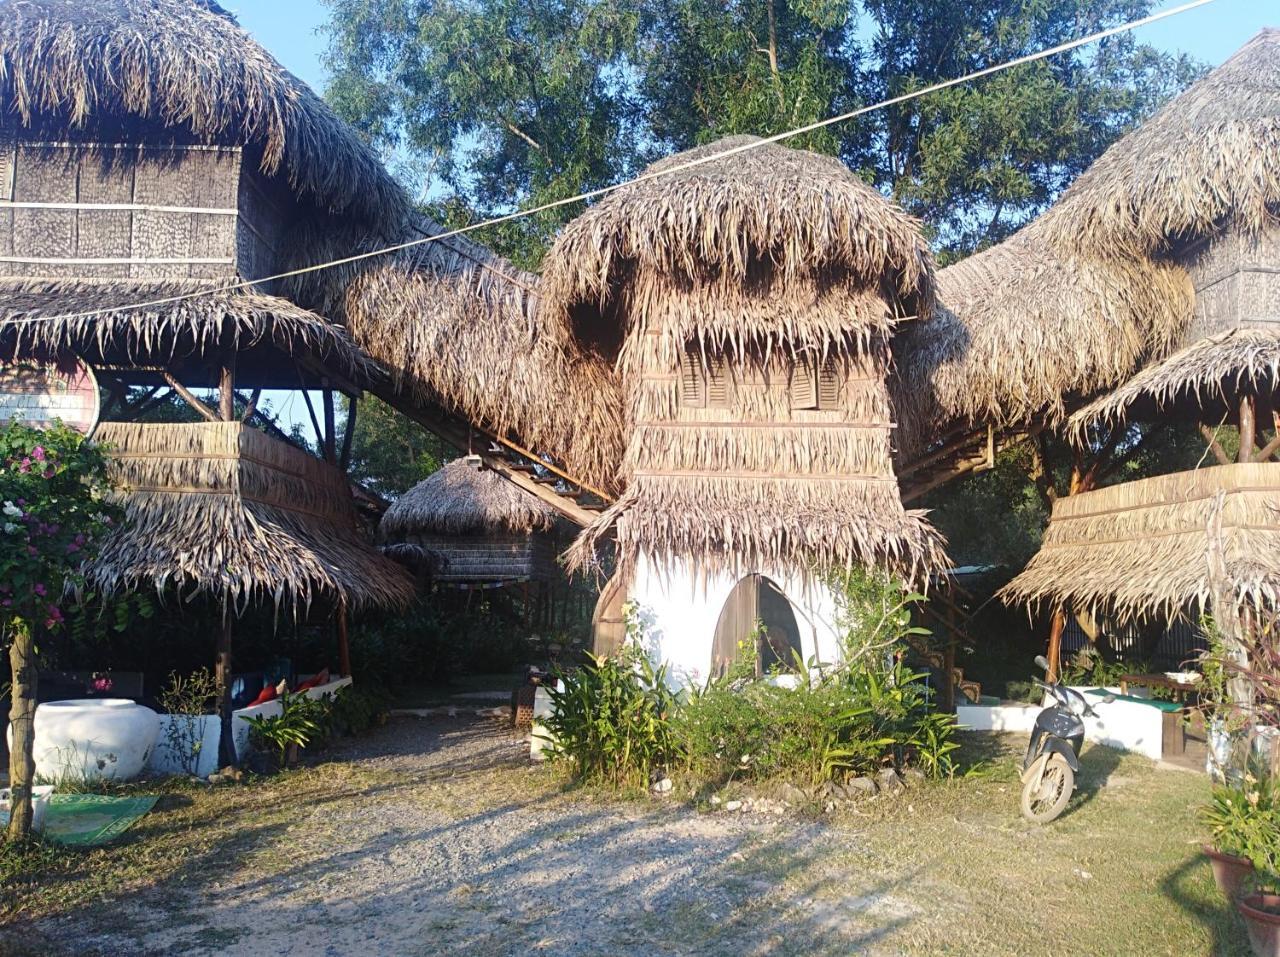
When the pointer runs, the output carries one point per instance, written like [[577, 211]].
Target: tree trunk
[[22, 717], [1248, 429], [222, 675]]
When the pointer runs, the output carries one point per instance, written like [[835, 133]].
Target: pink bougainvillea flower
[[24, 466], [55, 613], [38, 453], [72, 548], [40, 589], [49, 473]]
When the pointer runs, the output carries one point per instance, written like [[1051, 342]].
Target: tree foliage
[[390, 453], [492, 105]]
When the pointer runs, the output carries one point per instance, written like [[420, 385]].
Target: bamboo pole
[[22, 717], [349, 436], [207, 413], [1248, 429], [330, 427], [227, 389]]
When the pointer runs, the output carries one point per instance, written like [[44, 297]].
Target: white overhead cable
[[643, 177]]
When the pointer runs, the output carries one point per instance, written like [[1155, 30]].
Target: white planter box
[[1009, 717], [165, 761]]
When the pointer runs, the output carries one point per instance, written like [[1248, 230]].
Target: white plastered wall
[[679, 609]]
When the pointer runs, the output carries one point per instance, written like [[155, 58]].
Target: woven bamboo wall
[[128, 211], [1237, 281], [492, 557]]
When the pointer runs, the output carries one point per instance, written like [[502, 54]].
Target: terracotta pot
[[1229, 871], [1261, 913]]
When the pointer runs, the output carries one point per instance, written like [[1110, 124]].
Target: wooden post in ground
[[227, 390], [344, 649], [1056, 628], [22, 717], [1248, 429], [222, 675]]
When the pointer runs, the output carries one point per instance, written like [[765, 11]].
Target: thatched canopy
[[1142, 549], [719, 288], [458, 326], [469, 524], [463, 498], [184, 66], [1080, 299], [220, 509], [1200, 382], [46, 317]]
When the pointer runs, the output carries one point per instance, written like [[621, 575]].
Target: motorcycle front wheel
[[1044, 799]]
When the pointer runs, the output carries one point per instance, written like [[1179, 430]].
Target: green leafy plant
[[354, 710], [1244, 820], [611, 720], [188, 700], [301, 720], [1089, 666]]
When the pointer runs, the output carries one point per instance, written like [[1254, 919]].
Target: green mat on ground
[[87, 820]]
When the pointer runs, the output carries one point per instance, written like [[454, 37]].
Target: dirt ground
[[438, 837]]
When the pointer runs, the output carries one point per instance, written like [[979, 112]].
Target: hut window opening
[[816, 383], [704, 379]]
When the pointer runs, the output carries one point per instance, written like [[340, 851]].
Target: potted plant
[[1261, 913], [1261, 908], [281, 735], [1233, 829]]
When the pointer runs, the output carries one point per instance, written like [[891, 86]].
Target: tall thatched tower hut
[[747, 304]]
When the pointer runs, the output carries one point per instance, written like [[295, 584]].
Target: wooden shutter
[[717, 382], [803, 385], [830, 384], [693, 391]]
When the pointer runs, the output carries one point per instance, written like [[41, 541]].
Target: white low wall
[[164, 761], [1124, 725]]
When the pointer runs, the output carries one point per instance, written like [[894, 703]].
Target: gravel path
[[459, 846]]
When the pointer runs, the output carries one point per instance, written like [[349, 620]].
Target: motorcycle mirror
[[1043, 662]]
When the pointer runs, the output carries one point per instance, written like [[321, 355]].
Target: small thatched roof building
[[219, 508], [1143, 549], [747, 303], [472, 526], [1112, 276]]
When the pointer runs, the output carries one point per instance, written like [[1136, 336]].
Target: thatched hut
[[156, 167], [747, 304], [472, 527], [1117, 274]]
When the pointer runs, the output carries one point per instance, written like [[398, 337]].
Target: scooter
[[1053, 754]]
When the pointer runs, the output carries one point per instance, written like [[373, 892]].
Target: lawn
[[435, 836]]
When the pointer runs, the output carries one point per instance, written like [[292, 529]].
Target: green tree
[[503, 104], [389, 453], [52, 515]]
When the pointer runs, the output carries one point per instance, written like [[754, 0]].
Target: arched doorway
[[756, 599]]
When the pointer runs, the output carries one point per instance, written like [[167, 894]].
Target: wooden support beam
[[349, 434], [188, 397], [344, 648], [1248, 429], [330, 426], [1269, 450], [315, 423], [251, 406], [227, 389], [222, 676]]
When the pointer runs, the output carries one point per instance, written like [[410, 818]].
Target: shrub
[[187, 700], [1244, 820], [301, 720], [355, 709], [612, 721]]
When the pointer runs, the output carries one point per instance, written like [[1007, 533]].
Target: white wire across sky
[[643, 177]]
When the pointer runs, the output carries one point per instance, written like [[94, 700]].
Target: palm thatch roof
[[1076, 302], [1142, 549], [463, 498], [46, 317], [1210, 158], [1202, 380], [458, 326], [717, 288], [184, 65], [219, 508], [1025, 329]]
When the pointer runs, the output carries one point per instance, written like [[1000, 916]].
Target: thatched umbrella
[[747, 303], [471, 525], [1079, 300]]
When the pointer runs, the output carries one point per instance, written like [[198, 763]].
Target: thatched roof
[[219, 508], [1025, 329], [1202, 380], [1209, 159], [1080, 299], [184, 65], [462, 498], [43, 317], [456, 325], [771, 214], [1142, 549], [760, 264]]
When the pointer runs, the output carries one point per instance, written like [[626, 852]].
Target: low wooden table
[[1158, 680]]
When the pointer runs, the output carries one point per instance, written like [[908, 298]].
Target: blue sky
[[290, 30]]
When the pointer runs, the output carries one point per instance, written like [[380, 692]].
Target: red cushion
[[314, 681], [268, 693]]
